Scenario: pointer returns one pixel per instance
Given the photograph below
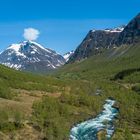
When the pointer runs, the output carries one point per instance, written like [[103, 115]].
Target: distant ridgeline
[[97, 41]]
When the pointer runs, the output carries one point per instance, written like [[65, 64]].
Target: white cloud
[[31, 34]]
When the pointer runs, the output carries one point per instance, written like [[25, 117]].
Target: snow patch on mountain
[[68, 55], [118, 29], [113, 30]]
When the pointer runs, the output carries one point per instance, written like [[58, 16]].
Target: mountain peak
[[31, 56], [98, 40], [131, 32], [138, 15]]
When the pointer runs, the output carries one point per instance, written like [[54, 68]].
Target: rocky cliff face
[[97, 40], [131, 33], [31, 56]]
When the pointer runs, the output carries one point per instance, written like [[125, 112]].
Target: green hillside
[[47, 106], [27, 101], [18, 91], [106, 64], [102, 71]]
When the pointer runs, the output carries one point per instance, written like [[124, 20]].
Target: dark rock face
[[97, 41], [131, 33], [31, 56], [94, 43]]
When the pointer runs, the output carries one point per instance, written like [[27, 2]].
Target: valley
[[70, 97], [41, 102]]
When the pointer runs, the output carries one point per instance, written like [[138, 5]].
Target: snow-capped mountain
[[31, 56], [68, 55]]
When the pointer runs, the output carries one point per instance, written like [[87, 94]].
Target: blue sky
[[62, 23]]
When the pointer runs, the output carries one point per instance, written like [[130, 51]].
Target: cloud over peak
[[31, 34]]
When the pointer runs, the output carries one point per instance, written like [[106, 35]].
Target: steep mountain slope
[[97, 41], [31, 56], [131, 33], [109, 62]]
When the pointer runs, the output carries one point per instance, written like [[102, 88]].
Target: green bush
[[5, 92], [10, 121]]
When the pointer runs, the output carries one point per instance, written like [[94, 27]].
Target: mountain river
[[104, 121]]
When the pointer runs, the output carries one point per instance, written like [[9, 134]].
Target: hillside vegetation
[[103, 71], [46, 107]]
